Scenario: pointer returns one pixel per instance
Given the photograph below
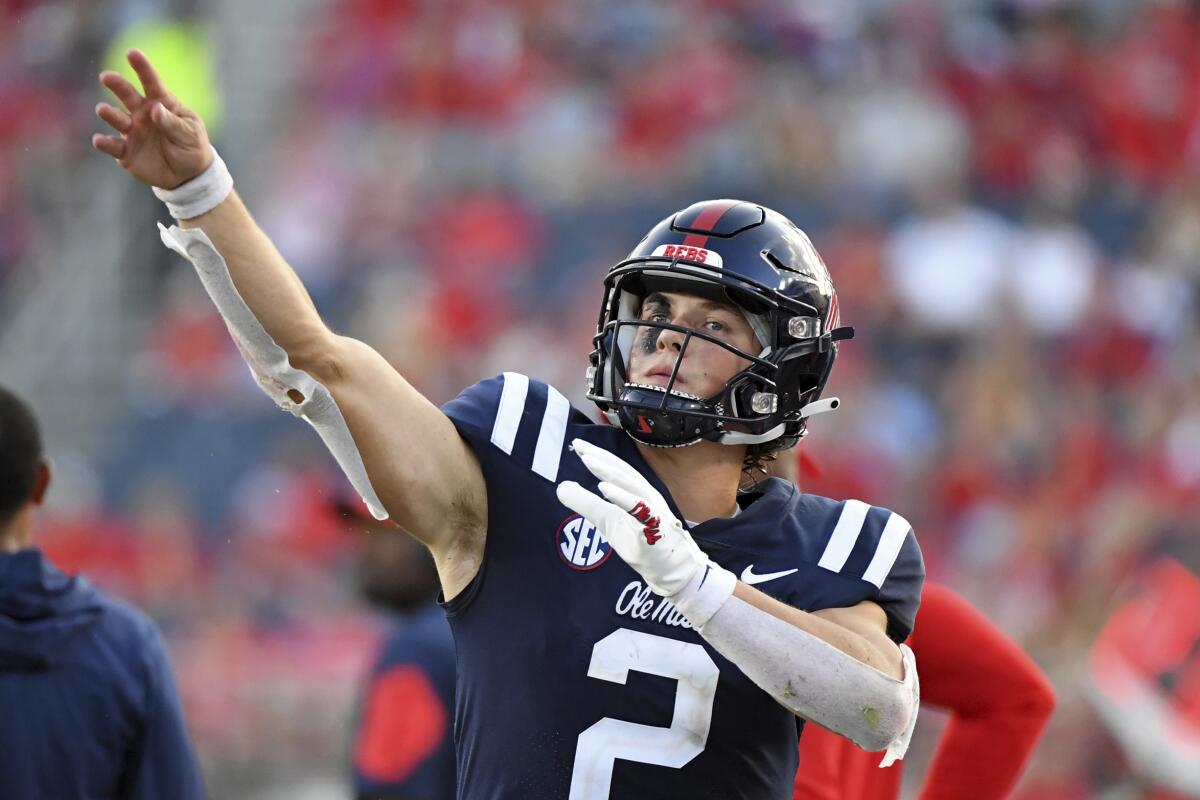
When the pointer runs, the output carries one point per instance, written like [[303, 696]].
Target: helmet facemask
[[669, 415]]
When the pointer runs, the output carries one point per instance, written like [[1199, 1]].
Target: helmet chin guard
[[755, 260], [657, 417]]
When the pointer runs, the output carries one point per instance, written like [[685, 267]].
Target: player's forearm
[[265, 281], [297, 362], [888, 661], [813, 678], [770, 642]]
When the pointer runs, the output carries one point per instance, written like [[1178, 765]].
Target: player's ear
[[41, 483]]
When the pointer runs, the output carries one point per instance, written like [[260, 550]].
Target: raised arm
[[423, 473]]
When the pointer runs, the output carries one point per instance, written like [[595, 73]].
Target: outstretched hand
[[158, 140]]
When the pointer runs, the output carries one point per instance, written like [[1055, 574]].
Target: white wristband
[[201, 194], [704, 594]]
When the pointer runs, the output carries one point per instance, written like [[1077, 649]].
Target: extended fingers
[[152, 85], [123, 89], [606, 466], [112, 145], [620, 497], [118, 119], [596, 509]]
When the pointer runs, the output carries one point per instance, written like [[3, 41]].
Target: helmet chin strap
[[820, 407], [810, 410], [737, 437]]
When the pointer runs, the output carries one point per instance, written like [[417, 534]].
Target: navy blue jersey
[[575, 680], [88, 707]]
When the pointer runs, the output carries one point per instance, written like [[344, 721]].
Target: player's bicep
[[870, 623], [425, 475]]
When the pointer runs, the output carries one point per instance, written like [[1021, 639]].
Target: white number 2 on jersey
[[610, 739]]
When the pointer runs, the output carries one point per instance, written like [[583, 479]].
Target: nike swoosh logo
[[750, 577]]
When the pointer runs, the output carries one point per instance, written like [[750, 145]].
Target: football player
[[681, 667]]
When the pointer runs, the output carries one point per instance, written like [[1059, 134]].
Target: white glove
[[639, 525]]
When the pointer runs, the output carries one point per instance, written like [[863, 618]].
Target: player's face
[[706, 366]]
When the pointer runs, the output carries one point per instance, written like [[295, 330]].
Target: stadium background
[[1007, 195]]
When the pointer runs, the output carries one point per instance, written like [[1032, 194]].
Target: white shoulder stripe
[[508, 416], [893, 536], [550, 438], [841, 542]]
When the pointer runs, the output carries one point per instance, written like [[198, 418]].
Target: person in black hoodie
[[88, 707]]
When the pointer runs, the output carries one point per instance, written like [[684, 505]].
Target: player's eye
[[656, 314], [716, 326]]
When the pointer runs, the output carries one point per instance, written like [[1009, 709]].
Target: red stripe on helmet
[[707, 220], [834, 318]]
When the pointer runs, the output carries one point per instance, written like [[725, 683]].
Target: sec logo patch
[[580, 544]]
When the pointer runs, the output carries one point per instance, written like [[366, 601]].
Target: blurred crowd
[[1007, 195]]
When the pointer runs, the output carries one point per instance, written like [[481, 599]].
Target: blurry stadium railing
[[67, 331]]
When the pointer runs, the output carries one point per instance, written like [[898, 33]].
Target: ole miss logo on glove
[[642, 512]]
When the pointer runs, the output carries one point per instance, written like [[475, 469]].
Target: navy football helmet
[[757, 260]]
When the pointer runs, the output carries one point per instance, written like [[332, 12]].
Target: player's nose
[[670, 339]]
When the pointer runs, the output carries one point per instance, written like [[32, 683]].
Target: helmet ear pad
[[803, 372]]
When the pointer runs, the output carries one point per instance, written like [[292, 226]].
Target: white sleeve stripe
[[550, 438], [508, 416], [890, 541], [845, 534]]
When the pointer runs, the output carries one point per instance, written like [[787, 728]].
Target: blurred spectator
[[90, 708], [948, 265], [1054, 271], [1144, 677], [404, 743]]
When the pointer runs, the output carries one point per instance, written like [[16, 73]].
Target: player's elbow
[[882, 720], [321, 354], [873, 715], [873, 744]]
